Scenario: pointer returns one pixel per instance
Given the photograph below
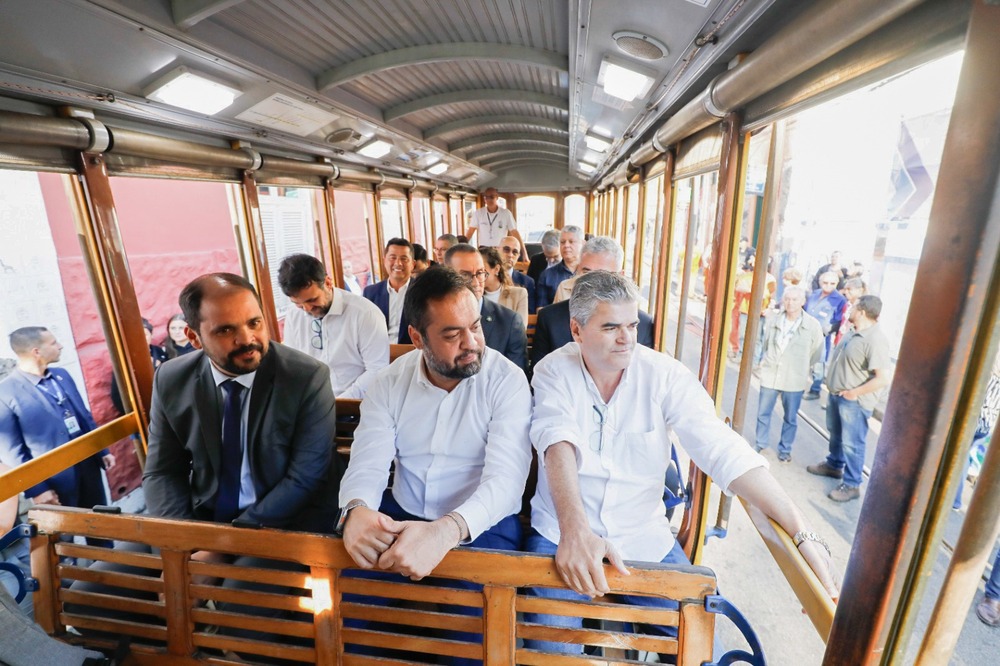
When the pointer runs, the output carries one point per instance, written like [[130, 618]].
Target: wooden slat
[[97, 553], [136, 629], [364, 660], [695, 644], [114, 578], [113, 602], [247, 598], [412, 643], [521, 266], [43, 567], [177, 599], [297, 579], [499, 638], [326, 622], [536, 658], [246, 646], [381, 588], [598, 610], [395, 351], [253, 622], [609, 639], [411, 617]]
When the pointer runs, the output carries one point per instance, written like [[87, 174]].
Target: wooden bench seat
[[171, 626]]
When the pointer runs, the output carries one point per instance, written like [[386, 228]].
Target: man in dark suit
[[244, 430], [390, 293], [41, 409], [552, 328], [509, 249], [549, 255], [502, 327]]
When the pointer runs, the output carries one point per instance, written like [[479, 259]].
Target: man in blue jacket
[[390, 293], [40, 409]]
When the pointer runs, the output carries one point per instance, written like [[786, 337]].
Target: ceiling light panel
[[375, 149], [194, 91], [597, 143], [623, 81]]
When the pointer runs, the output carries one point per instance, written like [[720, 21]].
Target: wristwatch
[[342, 517]]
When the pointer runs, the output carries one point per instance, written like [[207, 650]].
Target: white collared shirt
[[396, 299], [248, 495], [466, 450], [493, 227], [622, 469], [354, 341]]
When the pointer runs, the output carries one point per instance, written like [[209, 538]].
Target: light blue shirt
[[247, 493]]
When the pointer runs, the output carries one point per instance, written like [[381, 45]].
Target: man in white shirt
[[341, 329], [453, 415], [493, 223], [604, 411], [390, 293], [351, 283]]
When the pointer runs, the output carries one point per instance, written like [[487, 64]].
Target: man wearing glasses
[[493, 223], [510, 249], [502, 327], [604, 412], [343, 330]]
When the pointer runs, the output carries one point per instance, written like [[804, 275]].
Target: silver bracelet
[[811, 536], [461, 532]]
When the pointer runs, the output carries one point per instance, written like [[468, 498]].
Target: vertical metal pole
[[410, 226], [107, 264], [379, 235], [682, 296], [662, 277], [333, 237], [928, 420], [258, 253]]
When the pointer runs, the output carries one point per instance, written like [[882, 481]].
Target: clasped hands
[[410, 548]]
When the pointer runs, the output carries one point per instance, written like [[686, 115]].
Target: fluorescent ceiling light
[[375, 149], [598, 144], [438, 168], [623, 82], [586, 167], [193, 91]]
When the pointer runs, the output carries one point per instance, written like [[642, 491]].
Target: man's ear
[[415, 337], [328, 283], [192, 337], [574, 329]]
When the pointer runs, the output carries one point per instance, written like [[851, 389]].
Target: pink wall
[[352, 231]]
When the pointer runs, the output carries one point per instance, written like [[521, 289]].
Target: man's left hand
[[849, 394], [822, 565], [420, 547], [108, 461]]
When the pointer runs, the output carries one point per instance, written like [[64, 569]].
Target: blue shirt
[[548, 282], [827, 311]]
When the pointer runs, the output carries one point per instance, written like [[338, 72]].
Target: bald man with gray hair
[[570, 244]]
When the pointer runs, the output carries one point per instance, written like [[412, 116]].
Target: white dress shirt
[[354, 341], [493, 227], [466, 450], [248, 494], [395, 309], [623, 447]]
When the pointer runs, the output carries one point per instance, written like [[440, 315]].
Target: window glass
[[358, 251], [421, 219], [393, 219], [651, 229], [631, 226], [575, 210], [289, 221], [535, 215], [441, 215], [470, 207]]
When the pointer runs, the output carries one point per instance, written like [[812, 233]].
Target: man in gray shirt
[[859, 368]]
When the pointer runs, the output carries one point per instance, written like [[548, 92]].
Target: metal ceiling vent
[[639, 45]]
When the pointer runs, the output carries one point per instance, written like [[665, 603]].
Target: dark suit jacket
[[536, 265], [552, 330], [522, 280], [504, 332], [30, 425], [378, 294], [290, 441]]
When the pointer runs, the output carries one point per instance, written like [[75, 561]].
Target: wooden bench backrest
[[179, 623], [530, 330], [522, 266], [395, 351]]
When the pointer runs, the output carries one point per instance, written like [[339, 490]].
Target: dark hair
[[870, 305], [462, 238], [401, 242], [492, 259], [168, 344], [146, 325], [192, 294], [419, 252], [434, 284], [24, 339], [460, 248], [298, 272]]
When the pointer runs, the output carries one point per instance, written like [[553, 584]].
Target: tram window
[[469, 208], [536, 214], [288, 216], [652, 227], [575, 210], [441, 217], [694, 217], [393, 218], [353, 229], [44, 282], [421, 219], [631, 227]]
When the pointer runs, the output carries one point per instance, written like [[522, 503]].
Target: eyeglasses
[[489, 196], [478, 275], [601, 419], [510, 250], [317, 338]]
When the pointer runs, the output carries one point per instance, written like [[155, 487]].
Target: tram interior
[[404, 111]]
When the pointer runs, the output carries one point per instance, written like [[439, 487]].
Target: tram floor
[[750, 579]]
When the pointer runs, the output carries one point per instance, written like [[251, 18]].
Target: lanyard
[[57, 394]]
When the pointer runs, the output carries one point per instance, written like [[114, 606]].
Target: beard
[[232, 366], [454, 370]]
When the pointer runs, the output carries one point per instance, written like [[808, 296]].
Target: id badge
[[72, 425]]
